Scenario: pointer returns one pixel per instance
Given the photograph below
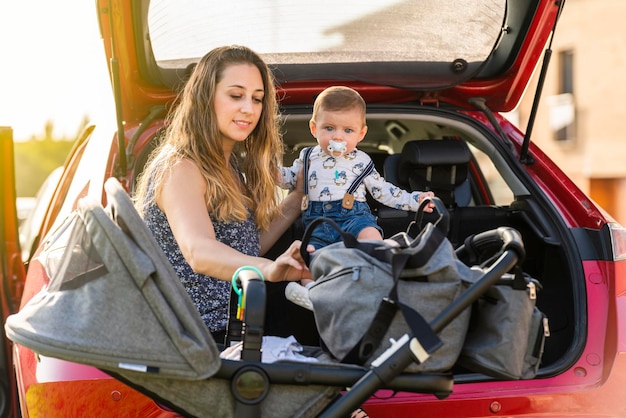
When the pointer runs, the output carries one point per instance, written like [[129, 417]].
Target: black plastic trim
[[594, 244]]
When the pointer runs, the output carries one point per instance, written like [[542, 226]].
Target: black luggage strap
[[421, 330]]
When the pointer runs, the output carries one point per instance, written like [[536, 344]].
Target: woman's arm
[[291, 209], [182, 201]]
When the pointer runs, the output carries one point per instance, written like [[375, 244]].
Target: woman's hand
[[289, 265]]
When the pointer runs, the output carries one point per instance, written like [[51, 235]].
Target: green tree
[[36, 158]]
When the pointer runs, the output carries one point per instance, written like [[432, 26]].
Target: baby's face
[[333, 128]]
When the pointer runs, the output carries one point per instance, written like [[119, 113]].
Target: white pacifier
[[337, 148]]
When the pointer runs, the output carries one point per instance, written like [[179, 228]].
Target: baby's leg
[[307, 282], [369, 233]]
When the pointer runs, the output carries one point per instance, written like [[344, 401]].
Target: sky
[[52, 67]]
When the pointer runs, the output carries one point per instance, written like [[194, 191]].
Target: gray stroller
[[106, 269]]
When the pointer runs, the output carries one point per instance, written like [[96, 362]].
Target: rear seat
[[438, 165]]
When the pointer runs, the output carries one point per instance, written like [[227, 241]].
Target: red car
[[429, 70]]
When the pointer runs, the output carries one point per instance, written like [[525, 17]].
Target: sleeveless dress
[[209, 295]]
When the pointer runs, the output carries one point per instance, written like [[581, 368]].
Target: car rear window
[[328, 31]]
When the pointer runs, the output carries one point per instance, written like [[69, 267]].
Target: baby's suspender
[[348, 198]]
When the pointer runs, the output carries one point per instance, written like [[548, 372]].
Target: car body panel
[[90, 398], [12, 273], [583, 401]]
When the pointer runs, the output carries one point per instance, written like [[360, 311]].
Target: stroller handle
[[508, 238]]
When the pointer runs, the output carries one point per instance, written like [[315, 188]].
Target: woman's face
[[239, 101]]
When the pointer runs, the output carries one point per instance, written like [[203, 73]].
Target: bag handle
[[442, 222], [349, 240]]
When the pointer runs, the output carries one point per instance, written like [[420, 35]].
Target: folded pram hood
[[114, 301]]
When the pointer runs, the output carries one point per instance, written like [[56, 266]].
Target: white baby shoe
[[299, 295]]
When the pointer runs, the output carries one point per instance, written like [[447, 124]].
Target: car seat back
[[437, 165]]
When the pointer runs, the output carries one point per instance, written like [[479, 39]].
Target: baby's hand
[[425, 195]]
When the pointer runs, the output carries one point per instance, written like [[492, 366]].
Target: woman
[[208, 193]]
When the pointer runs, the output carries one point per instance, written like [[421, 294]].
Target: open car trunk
[[483, 185]]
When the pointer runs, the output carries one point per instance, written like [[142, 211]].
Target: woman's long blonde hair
[[193, 133]]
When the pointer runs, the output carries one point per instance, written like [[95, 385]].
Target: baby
[[337, 175]]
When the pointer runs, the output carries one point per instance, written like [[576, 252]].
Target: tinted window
[[328, 31]]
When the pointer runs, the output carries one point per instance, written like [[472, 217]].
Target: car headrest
[[440, 165], [432, 152]]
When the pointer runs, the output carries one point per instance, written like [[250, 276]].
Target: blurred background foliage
[[38, 156]]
